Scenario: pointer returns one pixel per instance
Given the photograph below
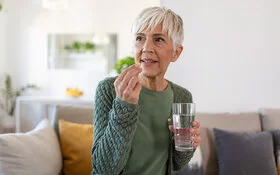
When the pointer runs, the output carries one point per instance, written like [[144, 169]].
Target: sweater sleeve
[[180, 158], [114, 127]]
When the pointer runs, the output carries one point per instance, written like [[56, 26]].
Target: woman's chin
[[148, 74]]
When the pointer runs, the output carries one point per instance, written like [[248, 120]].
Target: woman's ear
[[177, 53]]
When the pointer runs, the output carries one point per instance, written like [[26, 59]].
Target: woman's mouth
[[148, 61]]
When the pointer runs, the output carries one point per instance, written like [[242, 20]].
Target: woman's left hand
[[194, 132]]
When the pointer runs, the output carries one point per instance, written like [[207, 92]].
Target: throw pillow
[[276, 138], [245, 153], [76, 143], [32, 153]]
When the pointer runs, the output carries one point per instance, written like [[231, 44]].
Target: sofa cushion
[[245, 153], [76, 142], [229, 121], [270, 119], [75, 114], [32, 153]]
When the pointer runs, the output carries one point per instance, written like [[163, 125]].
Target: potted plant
[[89, 46], [2, 5], [8, 95], [124, 63], [78, 46]]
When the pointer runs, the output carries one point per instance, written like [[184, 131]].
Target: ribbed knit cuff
[[124, 103]]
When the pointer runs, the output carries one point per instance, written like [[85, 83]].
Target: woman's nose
[[148, 46]]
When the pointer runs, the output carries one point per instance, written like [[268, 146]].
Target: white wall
[[231, 58], [29, 24]]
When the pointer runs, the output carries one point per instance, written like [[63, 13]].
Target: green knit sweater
[[115, 123]]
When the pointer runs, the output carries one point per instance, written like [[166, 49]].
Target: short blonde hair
[[153, 16]]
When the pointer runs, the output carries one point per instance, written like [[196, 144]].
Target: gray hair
[[153, 16]]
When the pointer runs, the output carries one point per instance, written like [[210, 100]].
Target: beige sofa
[[51, 147], [76, 115], [262, 120]]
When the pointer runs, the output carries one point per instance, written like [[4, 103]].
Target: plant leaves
[[8, 95], [124, 63]]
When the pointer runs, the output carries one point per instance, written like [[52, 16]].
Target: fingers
[[195, 124], [131, 78], [127, 85], [195, 145], [138, 87], [127, 73], [171, 128], [195, 131], [196, 138], [133, 86], [132, 83], [195, 134]]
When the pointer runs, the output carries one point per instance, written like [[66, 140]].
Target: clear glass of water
[[183, 116]]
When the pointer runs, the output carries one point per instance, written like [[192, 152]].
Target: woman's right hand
[[127, 85]]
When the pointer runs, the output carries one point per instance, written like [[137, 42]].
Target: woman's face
[[154, 50]]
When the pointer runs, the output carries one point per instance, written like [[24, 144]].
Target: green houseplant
[[89, 46], [2, 6], [78, 46], [124, 63], [8, 95]]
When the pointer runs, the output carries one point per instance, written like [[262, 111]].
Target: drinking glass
[[183, 116]]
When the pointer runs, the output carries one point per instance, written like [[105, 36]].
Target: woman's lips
[[148, 61]]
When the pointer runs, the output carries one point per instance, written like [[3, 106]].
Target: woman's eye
[[159, 39], [139, 38]]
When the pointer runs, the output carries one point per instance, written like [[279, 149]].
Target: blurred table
[[48, 101]]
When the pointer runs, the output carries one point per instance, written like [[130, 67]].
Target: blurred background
[[230, 61]]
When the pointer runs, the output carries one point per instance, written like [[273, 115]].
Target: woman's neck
[[155, 84]]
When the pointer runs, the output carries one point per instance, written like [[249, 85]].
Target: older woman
[[132, 134]]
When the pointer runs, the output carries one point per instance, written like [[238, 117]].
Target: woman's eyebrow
[[142, 34], [158, 34]]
